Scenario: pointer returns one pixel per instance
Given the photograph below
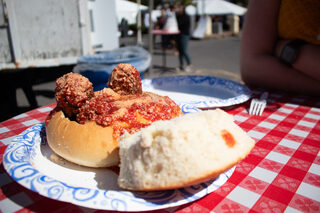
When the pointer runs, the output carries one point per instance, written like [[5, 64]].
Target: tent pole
[[139, 34], [203, 7], [150, 40]]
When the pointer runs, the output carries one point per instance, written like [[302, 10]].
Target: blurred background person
[[170, 26], [124, 27], [280, 47], [183, 38], [161, 20]]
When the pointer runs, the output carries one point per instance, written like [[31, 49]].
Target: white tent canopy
[[219, 7], [128, 10]]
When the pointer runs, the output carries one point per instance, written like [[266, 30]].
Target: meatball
[[125, 80], [99, 108], [72, 91]]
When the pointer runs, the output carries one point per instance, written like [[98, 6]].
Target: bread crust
[[91, 144], [190, 182], [184, 151], [85, 144], [85, 126]]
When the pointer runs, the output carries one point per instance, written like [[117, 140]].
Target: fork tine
[[260, 106], [255, 107], [251, 106], [263, 105], [263, 98]]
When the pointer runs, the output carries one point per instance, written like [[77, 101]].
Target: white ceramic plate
[[193, 92], [29, 161]]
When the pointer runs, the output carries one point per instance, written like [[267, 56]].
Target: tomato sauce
[[228, 138], [125, 113], [141, 115]]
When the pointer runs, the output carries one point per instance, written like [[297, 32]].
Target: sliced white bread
[[181, 152]]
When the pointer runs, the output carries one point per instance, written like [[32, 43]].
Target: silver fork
[[257, 105]]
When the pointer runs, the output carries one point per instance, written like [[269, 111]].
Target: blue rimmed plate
[[193, 92], [30, 161]]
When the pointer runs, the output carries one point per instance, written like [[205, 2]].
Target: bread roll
[[102, 116], [181, 152], [84, 144]]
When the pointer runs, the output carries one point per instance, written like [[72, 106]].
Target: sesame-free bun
[[181, 152], [90, 144], [85, 144]]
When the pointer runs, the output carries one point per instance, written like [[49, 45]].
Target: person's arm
[[308, 60], [259, 65]]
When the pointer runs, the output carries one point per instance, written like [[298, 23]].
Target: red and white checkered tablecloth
[[281, 174]]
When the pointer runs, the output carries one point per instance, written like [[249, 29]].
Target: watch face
[[289, 54]]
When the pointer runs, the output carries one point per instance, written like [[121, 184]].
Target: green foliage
[[134, 28], [146, 2], [161, 2], [243, 3], [184, 2]]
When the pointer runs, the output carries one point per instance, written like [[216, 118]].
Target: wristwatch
[[290, 51]]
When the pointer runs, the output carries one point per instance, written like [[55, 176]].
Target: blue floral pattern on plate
[[25, 162], [194, 92]]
